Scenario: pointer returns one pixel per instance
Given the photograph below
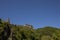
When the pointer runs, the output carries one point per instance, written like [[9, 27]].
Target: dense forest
[[10, 31]]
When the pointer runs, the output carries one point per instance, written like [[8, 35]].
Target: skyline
[[38, 13]]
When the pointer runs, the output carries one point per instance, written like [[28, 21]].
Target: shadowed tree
[[23, 36], [0, 20], [6, 33]]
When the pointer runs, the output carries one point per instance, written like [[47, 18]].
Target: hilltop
[[10, 31]]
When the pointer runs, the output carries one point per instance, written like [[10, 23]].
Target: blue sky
[[38, 13]]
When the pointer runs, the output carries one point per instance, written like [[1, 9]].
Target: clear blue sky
[[39, 13]]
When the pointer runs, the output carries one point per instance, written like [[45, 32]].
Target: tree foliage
[[21, 32]]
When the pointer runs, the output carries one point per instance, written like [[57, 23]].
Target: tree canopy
[[20, 32]]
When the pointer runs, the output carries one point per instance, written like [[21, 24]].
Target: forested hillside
[[10, 31]]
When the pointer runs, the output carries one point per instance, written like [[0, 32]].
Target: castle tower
[[8, 20]]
